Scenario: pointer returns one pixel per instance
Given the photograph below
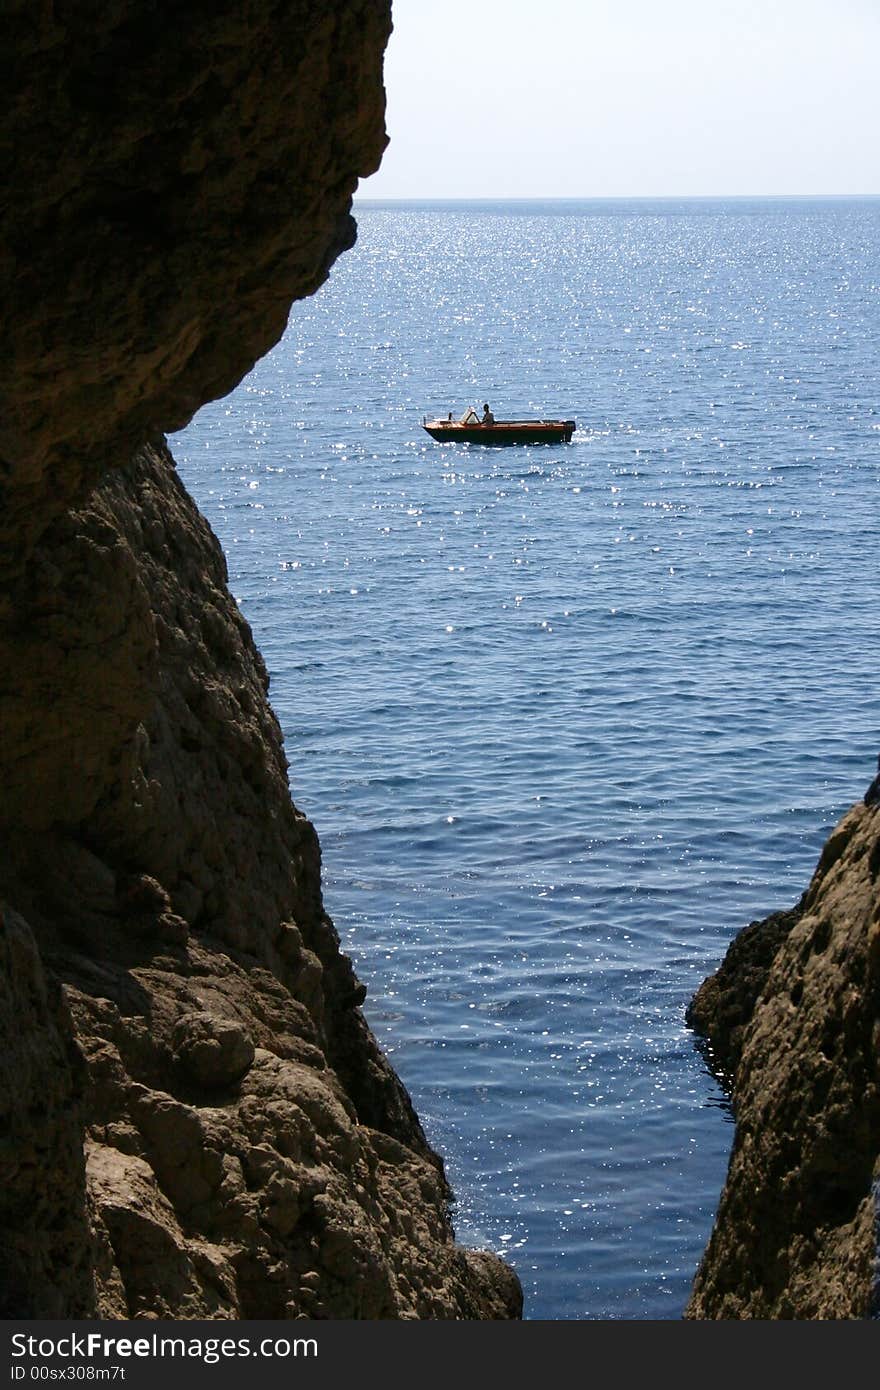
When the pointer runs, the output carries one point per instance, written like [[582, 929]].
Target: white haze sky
[[628, 98]]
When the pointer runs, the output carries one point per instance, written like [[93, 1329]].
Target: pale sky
[[628, 98]]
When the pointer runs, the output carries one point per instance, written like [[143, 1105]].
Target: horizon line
[[597, 197]]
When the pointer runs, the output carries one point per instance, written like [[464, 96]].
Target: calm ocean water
[[566, 718]]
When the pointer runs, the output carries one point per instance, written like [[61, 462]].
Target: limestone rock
[[212, 1051], [796, 1231], [723, 1005], [156, 1270], [169, 190], [242, 1125], [175, 1004], [46, 1259]]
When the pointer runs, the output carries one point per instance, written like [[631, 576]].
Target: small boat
[[470, 429]]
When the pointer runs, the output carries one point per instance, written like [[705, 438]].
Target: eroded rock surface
[[170, 186], [794, 1018], [195, 1119], [44, 1254], [248, 1150]]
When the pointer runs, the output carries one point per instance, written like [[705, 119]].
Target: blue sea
[[567, 717]]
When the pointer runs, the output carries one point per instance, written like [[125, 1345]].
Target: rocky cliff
[[792, 1018], [194, 1117]]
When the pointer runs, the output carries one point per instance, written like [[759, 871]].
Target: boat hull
[[502, 432]]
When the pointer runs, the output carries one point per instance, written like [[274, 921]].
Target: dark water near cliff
[[566, 718]]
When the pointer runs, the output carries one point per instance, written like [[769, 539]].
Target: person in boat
[[488, 417]]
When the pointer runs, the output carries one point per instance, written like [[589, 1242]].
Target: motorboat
[[472, 429]]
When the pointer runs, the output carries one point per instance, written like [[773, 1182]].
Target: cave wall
[[195, 1119], [174, 176]]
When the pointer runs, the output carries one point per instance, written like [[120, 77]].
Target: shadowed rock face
[[172, 180], [793, 1018], [195, 1119]]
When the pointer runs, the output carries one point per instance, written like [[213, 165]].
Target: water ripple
[[566, 718]]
